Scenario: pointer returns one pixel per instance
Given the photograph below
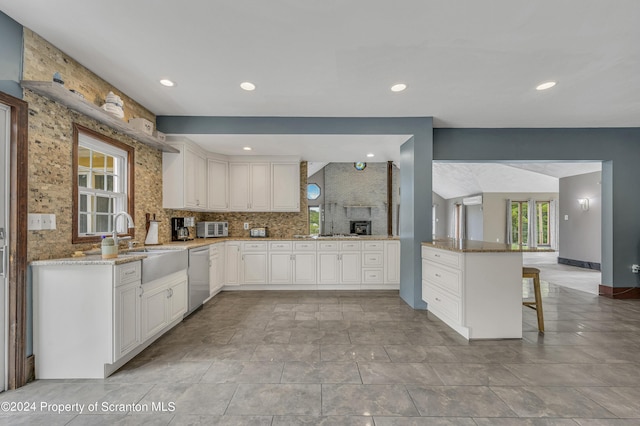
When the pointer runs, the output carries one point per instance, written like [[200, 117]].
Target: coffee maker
[[179, 230]]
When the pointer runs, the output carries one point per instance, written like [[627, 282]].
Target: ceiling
[[453, 180], [466, 64]]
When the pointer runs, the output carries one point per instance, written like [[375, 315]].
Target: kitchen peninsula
[[475, 287]]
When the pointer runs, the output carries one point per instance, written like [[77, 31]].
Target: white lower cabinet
[[292, 263], [281, 268], [339, 263], [216, 267], [90, 319], [304, 268], [254, 263], [163, 301], [392, 262], [127, 318], [232, 263]]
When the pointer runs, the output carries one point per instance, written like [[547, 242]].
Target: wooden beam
[[390, 198]]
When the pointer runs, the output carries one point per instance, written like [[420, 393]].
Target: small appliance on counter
[[259, 232], [212, 229], [179, 230]]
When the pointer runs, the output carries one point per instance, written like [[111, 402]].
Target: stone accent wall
[[50, 161], [281, 225], [50, 151]]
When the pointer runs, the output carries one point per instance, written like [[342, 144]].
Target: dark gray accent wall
[[618, 148], [10, 56], [579, 230], [415, 168]]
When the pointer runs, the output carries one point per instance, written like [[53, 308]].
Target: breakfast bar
[[475, 287]]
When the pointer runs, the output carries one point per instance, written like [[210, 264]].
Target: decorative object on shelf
[[113, 105], [57, 78], [360, 166], [142, 124]]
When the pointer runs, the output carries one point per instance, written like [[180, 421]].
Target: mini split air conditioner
[[472, 201]]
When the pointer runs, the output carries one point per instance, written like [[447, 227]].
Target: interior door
[[5, 117]]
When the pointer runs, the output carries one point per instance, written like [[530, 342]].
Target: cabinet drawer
[[306, 246], [349, 245], [280, 246], [372, 259], [442, 256], [128, 272], [328, 246], [448, 279], [261, 246], [373, 246], [440, 303], [373, 276]]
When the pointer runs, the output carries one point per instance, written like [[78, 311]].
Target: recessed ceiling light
[[167, 82], [371, 155], [247, 148], [546, 85], [398, 87], [248, 86]]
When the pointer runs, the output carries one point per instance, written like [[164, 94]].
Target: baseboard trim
[[579, 263], [619, 292]]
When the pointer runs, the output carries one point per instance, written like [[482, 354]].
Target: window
[[314, 220], [520, 223], [313, 191], [103, 174]]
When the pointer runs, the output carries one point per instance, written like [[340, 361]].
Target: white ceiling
[[452, 180], [467, 63]]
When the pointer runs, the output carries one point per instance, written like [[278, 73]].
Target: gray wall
[[10, 56], [617, 148], [495, 211], [580, 235]]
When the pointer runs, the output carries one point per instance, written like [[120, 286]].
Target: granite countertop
[[93, 257], [470, 246]]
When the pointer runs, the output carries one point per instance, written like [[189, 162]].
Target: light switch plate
[[566, 217], [246, 225], [34, 222]]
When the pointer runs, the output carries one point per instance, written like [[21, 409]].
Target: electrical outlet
[[246, 225], [635, 269]]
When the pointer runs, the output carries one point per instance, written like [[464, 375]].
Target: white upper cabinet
[[184, 178], [218, 179], [285, 187], [249, 187]]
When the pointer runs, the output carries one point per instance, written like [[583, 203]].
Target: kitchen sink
[[161, 262]]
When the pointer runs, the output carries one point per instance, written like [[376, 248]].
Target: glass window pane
[[83, 223], [103, 223], [84, 158], [98, 181], [109, 165], [525, 222], [110, 180], [99, 161], [82, 180], [103, 205], [83, 202]]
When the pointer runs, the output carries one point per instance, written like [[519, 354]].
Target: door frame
[[17, 372]]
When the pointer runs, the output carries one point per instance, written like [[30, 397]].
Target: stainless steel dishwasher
[[198, 277]]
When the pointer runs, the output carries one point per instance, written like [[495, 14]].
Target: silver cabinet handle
[[3, 260], [141, 291], [168, 293]]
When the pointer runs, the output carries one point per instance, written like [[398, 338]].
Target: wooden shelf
[[62, 95]]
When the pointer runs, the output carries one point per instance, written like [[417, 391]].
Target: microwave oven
[[212, 229]]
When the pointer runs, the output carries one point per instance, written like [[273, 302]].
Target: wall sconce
[[584, 203]]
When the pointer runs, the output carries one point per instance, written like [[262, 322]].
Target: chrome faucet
[[116, 239]]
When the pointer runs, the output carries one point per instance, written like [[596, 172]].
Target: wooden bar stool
[[537, 304]]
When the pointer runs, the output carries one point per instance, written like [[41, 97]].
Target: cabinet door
[[127, 314], [153, 311], [201, 183], [260, 187], [178, 299], [350, 271], [191, 171], [304, 268], [238, 187], [285, 187], [328, 272], [217, 177], [232, 264], [254, 268], [392, 261], [280, 268], [220, 267]]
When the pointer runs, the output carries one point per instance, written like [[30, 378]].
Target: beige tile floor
[[350, 358]]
